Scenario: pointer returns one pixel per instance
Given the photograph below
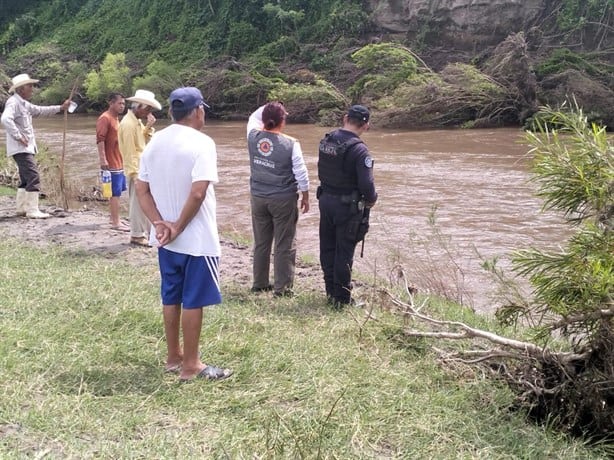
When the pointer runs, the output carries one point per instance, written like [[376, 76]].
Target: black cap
[[359, 112]]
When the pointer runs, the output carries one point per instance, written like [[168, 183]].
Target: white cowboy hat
[[145, 97], [21, 80]]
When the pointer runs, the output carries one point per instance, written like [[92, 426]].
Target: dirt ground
[[87, 228]]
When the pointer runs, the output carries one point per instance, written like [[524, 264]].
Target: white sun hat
[[145, 97], [21, 80]]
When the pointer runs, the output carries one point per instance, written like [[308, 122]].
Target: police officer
[[346, 193]]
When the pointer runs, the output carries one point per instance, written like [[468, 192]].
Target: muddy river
[[474, 183]]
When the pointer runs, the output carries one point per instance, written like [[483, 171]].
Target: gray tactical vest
[[270, 157]]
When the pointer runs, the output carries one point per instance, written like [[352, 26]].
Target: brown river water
[[476, 179]]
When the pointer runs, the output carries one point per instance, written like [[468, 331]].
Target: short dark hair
[[114, 96], [273, 114]]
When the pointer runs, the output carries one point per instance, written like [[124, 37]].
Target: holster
[[358, 225]]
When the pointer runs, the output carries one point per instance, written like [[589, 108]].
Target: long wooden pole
[[62, 191]]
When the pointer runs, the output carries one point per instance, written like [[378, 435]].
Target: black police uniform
[[345, 170]]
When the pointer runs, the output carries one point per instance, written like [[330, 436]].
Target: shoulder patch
[[369, 162]]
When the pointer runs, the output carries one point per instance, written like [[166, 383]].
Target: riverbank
[[82, 354], [88, 230]]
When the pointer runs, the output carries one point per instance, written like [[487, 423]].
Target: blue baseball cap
[[185, 99]]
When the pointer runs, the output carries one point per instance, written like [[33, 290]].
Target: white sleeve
[[44, 111], [299, 169], [8, 119], [255, 120]]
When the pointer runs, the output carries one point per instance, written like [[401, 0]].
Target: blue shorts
[[118, 183], [190, 281]]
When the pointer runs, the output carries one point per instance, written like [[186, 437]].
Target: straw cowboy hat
[[143, 96], [21, 80]]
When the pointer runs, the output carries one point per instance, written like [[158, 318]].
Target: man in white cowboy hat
[[133, 136], [21, 144]]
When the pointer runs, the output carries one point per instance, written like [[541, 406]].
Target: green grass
[[82, 352], [6, 191]]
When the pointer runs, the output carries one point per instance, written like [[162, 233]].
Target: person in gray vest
[[21, 144], [346, 194], [278, 172]]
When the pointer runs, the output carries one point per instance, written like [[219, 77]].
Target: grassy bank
[[82, 352]]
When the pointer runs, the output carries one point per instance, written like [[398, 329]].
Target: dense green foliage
[[112, 77], [166, 44], [180, 32], [260, 43], [385, 67], [574, 14], [574, 170]]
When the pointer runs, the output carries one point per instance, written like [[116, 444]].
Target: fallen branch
[[580, 318], [468, 332]]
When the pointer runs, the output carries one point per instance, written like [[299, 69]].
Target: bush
[[564, 59], [59, 88], [385, 67], [160, 77], [112, 77], [308, 102]]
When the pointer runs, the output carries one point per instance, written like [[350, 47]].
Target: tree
[[574, 169], [114, 76], [566, 374]]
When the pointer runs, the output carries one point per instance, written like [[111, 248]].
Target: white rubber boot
[[32, 210], [21, 201]]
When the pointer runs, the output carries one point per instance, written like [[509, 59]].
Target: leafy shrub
[[19, 32], [343, 18], [564, 59], [60, 86], [112, 77], [242, 38], [574, 14], [283, 48], [385, 66], [236, 91], [160, 77], [288, 20], [308, 102]]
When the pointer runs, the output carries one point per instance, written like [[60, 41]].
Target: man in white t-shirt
[[175, 190]]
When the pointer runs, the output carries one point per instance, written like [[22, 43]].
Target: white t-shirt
[[176, 157]]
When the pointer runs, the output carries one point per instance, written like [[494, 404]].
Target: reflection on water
[[476, 180]]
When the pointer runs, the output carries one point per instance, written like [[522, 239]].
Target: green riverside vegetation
[[319, 56], [82, 355]]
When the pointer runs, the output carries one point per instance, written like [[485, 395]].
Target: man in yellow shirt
[[133, 136]]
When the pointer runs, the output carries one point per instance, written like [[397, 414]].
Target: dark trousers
[[337, 245], [28, 172]]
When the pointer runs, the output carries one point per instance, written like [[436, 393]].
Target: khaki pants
[[274, 219], [139, 224]]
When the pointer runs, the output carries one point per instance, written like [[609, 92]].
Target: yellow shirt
[[133, 136]]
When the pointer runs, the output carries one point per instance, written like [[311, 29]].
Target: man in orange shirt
[[107, 127]]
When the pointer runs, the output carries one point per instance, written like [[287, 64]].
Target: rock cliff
[[482, 32], [462, 24]]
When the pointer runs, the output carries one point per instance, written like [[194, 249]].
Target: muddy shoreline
[[88, 229]]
